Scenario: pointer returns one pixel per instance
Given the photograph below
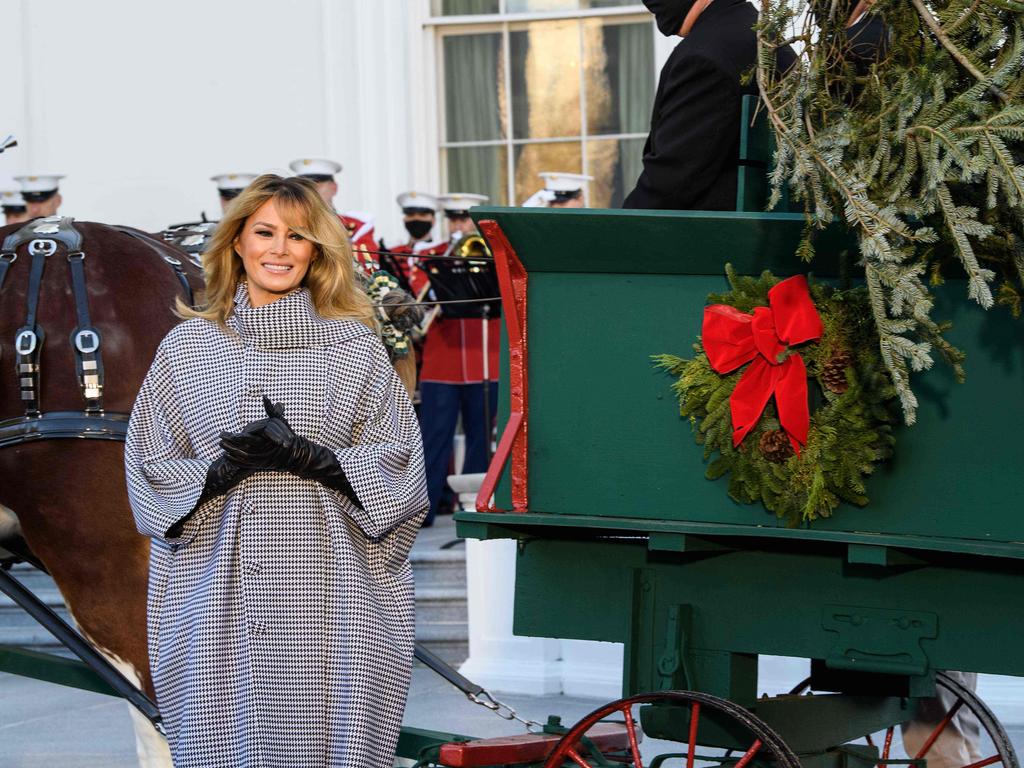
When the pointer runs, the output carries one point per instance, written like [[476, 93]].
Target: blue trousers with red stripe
[[440, 407]]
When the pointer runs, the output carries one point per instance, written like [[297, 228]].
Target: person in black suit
[[690, 157]]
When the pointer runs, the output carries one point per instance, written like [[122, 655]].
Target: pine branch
[[953, 50]]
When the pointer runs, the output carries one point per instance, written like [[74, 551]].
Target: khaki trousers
[[959, 744]]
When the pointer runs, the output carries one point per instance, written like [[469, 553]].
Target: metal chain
[[502, 710]]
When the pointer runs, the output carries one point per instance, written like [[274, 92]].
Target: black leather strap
[[55, 228], [85, 339], [63, 425], [28, 342], [6, 259]]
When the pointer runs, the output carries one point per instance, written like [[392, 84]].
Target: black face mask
[[417, 228], [669, 14]]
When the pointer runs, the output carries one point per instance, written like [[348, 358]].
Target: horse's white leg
[[150, 745]]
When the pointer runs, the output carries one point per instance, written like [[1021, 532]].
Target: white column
[[592, 669], [498, 659]]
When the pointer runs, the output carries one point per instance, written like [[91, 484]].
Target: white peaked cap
[[39, 182], [461, 201], [310, 166], [539, 199], [231, 181], [10, 198], [417, 200], [564, 182]]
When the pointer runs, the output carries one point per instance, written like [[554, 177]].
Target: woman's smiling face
[[275, 257]]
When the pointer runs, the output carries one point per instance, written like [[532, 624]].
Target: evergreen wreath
[[853, 409]]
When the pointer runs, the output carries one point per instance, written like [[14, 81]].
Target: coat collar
[[291, 321]]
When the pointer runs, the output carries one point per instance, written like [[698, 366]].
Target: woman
[[281, 595]]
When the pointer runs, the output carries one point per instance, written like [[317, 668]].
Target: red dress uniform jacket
[[454, 350], [360, 233], [403, 258]]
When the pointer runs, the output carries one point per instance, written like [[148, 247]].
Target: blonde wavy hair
[[331, 277]]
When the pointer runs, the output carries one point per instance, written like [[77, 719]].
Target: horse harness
[[42, 237]]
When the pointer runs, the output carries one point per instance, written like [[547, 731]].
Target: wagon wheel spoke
[[887, 745], [749, 754], [573, 755], [939, 729], [986, 761], [634, 746], [668, 711], [692, 746]]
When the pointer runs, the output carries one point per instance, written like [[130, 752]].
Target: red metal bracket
[[525, 748], [512, 281]]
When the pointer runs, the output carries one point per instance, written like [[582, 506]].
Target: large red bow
[[732, 338]]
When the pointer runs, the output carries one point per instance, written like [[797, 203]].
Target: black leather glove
[[276, 447], [221, 477]]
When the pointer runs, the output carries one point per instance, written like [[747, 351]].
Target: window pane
[[619, 76], [533, 6], [473, 82], [532, 159], [545, 79], [463, 7], [615, 165], [481, 170]]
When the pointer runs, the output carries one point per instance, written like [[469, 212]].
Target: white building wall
[[139, 103]]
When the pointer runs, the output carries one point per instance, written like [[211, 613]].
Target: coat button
[[252, 569]]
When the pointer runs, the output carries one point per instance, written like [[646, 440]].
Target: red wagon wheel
[[965, 700], [576, 748]]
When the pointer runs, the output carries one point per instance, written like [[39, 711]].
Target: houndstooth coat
[[281, 618]]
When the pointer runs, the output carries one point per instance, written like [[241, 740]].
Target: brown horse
[[69, 494]]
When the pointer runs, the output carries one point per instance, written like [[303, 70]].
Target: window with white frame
[[543, 85]]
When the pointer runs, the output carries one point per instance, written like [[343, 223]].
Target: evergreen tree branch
[[953, 50]]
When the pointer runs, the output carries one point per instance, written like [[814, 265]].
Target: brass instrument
[[470, 247]]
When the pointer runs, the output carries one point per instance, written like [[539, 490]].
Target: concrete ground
[[44, 725]]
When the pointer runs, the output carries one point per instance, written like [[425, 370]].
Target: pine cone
[[775, 446], [833, 375]]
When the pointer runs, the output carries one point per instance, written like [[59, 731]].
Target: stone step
[[45, 591], [441, 604], [441, 618], [30, 636], [441, 631], [30, 576], [439, 567]]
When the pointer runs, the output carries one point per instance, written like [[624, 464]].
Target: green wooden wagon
[[622, 538]]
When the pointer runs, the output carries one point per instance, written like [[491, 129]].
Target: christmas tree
[[914, 139]]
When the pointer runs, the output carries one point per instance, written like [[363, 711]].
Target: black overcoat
[[690, 158]]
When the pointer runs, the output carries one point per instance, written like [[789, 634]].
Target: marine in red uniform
[[358, 225], [419, 215], [460, 357]]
